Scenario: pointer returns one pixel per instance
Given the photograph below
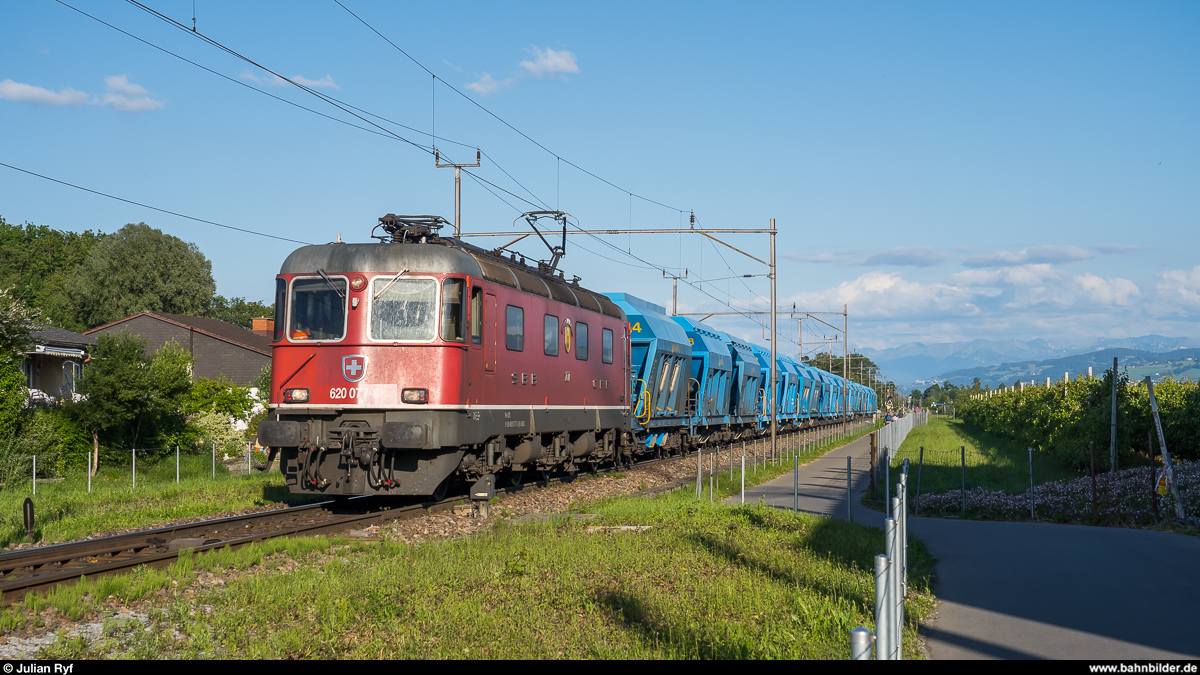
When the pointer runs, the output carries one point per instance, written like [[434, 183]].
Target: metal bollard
[[881, 604], [896, 581], [796, 486], [891, 537], [743, 478], [902, 492], [849, 505], [860, 644]]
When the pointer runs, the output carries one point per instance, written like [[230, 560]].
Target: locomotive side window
[[476, 315], [550, 335], [318, 309], [280, 309], [606, 345], [514, 330], [581, 343], [454, 310], [403, 309]]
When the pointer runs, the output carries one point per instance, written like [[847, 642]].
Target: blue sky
[[948, 170]]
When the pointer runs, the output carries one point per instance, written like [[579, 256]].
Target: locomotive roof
[[443, 256]]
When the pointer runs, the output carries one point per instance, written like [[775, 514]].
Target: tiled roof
[[53, 335], [216, 328]]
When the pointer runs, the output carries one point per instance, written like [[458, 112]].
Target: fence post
[[796, 484], [1032, 513], [860, 644], [882, 619], [963, 449], [177, 464], [89, 473], [1153, 487], [135, 468], [699, 470], [214, 460], [887, 476], [1092, 452], [920, 466], [743, 478], [35, 475]]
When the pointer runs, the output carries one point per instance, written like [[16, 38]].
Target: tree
[[16, 325], [127, 396], [37, 261], [238, 311], [136, 269]]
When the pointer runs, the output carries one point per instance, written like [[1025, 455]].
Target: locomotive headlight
[[295, 396], [358, 283], [415, 396]]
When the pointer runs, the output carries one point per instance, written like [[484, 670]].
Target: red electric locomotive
[[402, 365]]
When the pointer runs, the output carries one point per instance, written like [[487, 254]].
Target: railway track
[[40, 569]]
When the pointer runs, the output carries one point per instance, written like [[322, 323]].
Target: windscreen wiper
[[389, 284], [331, 284]]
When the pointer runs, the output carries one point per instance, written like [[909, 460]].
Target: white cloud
[[1030, 255], [550, 63], [916, 256], [881, 295], [28, 93], [1179, 291], [486, 86], [122, 95], [1100, 291], [276, 81], [126, 96], [323, 83]]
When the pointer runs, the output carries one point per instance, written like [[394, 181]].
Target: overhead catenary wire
[[155, 208], [479, 105], [348, 109]]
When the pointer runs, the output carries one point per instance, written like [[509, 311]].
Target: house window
[[514, 330]]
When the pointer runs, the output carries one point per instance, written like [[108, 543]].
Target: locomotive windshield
[[404, 311], [318, 309]]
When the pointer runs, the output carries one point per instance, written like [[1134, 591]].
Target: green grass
[[706, 581], [65, 510], [992, 462]]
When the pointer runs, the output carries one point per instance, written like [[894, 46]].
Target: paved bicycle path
[[1030, 590]]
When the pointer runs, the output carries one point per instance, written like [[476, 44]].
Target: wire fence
[[148, 465]]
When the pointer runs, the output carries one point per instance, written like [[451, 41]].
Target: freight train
[[403, 366]]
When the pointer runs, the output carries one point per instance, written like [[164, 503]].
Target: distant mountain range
[[918, 365], [1137, 363]]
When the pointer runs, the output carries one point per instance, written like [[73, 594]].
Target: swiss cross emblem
[[353, 367]]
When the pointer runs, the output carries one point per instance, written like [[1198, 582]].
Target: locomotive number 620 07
[[343, 392]]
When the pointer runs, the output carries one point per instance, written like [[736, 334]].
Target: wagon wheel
[[515, 478], [546, 474]]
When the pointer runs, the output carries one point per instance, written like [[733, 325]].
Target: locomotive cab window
[[454, 310], [318, 309], [514, 328], [280, 309], [581, 341], [404, 309], [550, 335], [476, 315], [606, 345]]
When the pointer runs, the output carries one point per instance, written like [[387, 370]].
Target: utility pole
[[845, 368], [774, 353], [674, 287], [457, 186]]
